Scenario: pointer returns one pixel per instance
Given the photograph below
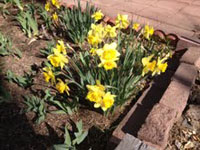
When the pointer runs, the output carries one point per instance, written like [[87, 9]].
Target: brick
[[176, 97], [157, 125], [118, 133], [191, 55], [185, 74], [129, 142]]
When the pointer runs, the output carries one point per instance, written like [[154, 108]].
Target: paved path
[[172, 16]]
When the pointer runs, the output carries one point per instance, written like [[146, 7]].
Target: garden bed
[[18, 128]]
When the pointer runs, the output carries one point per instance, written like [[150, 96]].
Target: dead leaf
[[188, 145]]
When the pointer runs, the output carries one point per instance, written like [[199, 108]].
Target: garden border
[[158, 120], [154, 131]]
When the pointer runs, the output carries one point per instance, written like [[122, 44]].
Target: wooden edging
[[152, 125]]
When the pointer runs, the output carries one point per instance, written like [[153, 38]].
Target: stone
[[191, 55], [129, 142], [118, 133], [176, 97], [157, 125], [185, 74]]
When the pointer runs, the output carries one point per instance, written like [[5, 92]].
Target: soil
[[185, 134]]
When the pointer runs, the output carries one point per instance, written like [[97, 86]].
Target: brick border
[[155, 130]]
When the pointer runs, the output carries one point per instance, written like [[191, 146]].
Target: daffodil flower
[[108, 64], [96, 34], [96, 92], [122, 21], [55, 17], [136, 26], [148, 66], [98, 15], [62, 87], [56, 3], [60, 47], [47, 6], [97, 95], [160, 66], [148, 31], [108, 56], [57, 59], [48, 75], [108, 101], [110, 31]]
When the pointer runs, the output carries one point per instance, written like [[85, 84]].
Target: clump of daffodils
[[57, 60], [156, 67], [51, 6], [121, 61], [52, 3], [100, 98]]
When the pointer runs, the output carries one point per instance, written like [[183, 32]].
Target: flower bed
[[92, 70]]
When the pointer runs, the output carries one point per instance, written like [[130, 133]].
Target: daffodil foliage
[[112, 68]]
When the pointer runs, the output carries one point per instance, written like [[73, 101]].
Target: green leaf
[[67, 138]]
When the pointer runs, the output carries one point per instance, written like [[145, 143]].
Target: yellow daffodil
[[55, 17], [48, 75], [47, 6], [98, 15], [97, 95], [136, 26], [94, 40], [108, 56], [56, 3], [60, 47], [148, 66], [62, 87], [57, 59], [148, 31], [160, 66], [96, 34], [110, 31], [96, 92], [108, 101], [122, 21], [110, 52], [108, 64]]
